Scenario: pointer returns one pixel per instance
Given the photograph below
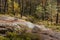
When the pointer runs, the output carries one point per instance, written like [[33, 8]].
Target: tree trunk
[[19, 2], [0, 5], [6, 6], [57, 18], [22, 11], [13, 7]]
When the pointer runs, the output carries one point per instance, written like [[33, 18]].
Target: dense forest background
[[32, 10], [29, 19]]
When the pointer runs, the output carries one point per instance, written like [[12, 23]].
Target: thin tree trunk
[[42, 13], [22, 9], [57, 15], [0, 6], [30, 7], [5, 6], [57, 18], [51, 12], [44, 7], [13, 7], [19, 2]]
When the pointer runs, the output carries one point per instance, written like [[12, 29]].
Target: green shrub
[[22, 36], [3, 38]]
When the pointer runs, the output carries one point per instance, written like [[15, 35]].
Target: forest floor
[[47, 24], [41, 28]]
